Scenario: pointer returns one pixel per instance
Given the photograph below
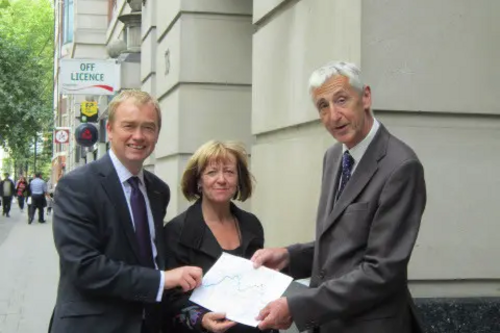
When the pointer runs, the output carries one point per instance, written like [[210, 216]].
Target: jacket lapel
[[247, 233], [334, 169], [114, 190], [196, 234], [156, 203], [363, 174]]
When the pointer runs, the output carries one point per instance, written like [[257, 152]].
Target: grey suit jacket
[[358, 263], [103, 286]]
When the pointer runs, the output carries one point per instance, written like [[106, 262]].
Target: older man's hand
[[275, 315]]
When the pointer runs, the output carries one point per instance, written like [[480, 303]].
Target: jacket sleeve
[[301, 260], [382, 271], [176, 304], [80, 245]]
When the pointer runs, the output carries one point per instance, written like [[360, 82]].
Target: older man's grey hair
[[349, 70]]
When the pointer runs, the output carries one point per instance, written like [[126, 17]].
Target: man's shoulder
[[399, 151], [82, 174], [157, 181]]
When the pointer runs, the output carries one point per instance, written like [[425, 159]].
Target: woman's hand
[[216, 322]]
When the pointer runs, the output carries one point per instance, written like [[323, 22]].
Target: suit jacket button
[[322, 274]]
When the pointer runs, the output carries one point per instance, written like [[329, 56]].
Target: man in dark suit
[[372, 200], [108, 222], [7, 192]]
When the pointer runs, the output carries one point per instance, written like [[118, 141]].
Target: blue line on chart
[[236, 277]]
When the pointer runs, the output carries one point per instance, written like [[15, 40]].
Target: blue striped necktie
[[347, 164]]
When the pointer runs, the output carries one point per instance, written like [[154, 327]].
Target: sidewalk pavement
[[28, 274]]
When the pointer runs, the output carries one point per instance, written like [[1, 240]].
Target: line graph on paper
[[239, 284], [233, 286]]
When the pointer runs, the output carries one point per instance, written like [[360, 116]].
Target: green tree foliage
[[26, 75], [4, 4]]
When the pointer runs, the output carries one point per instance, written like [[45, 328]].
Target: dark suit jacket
[[12, 187], [189, 241], [358, 263], [103, 287]]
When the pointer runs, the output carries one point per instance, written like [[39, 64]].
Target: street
[[28, 274]]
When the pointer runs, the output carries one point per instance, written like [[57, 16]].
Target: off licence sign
[[89, 76]]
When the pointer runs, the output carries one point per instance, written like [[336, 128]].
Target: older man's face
[[344, 112]]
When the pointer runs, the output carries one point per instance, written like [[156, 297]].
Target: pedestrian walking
[[7, 189], [50, 203], [21, 192], [38, 189]]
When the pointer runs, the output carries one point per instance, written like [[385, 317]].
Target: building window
[[68, 20]]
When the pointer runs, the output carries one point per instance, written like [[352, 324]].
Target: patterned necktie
[[347, 164], [139, 211]]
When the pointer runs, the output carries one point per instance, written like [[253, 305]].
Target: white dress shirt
[[124, 175], [359, 150]]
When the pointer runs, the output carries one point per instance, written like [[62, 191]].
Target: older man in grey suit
[[372, 200]]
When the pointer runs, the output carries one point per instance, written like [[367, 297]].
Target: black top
[[235, 252], [189, 241]]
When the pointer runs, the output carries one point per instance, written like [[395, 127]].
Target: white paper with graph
[[233, 286]]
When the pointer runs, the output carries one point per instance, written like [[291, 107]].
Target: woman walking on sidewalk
[[21, 191]]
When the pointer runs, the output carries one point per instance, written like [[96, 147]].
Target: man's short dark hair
[[38, 175]]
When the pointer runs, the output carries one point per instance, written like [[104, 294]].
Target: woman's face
[[219, 180]]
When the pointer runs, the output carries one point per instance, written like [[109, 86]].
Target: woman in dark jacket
[[216, 174]]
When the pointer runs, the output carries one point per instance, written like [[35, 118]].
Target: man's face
[[344, 112], [133, 133]]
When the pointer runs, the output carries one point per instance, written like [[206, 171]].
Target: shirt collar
[[123, 173], [359, 150]]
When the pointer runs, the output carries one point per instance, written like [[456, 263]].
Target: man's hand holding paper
[[233, 286]]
